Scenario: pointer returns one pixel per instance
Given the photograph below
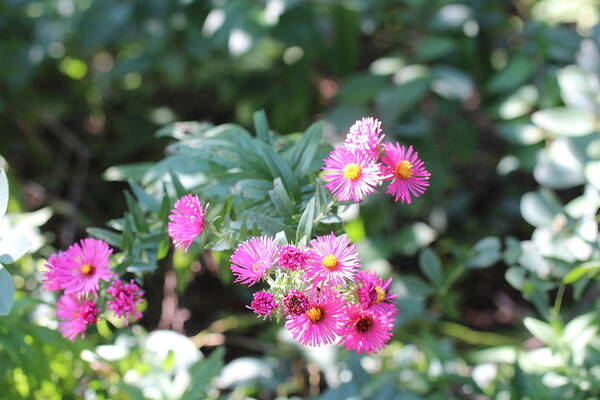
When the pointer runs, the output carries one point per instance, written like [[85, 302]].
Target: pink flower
[[292, 258], [336, 259], [125, 299], [365, 137], [410, 178], [373, 294], [323, 320], [75, 314], [53, 276], [351, 176], [80, 268], [365, 331], [295, 302], [186, 221], [253, 258], [263, 303]]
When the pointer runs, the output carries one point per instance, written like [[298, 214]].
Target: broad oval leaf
[[564, 121], [7, 291]]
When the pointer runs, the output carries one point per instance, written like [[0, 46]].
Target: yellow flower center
[[330, 262], [352, 171], [380, 294], [257, 266], [87, 269], [404, 169], [314, 314]]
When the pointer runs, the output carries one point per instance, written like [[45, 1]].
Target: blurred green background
[[501, 99]]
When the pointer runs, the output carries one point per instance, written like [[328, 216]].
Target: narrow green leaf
[[7, 291], [431, 266], [203, 372], [112, 238], [304, 150], [261, 125], [305, 224], [179, 189], [280, 168], [138, 215], [149, 202], [281, 199], [591, 268]]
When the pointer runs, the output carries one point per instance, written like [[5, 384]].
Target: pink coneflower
[[323, 320], [125, 299], [263, 303], [295, 302], [365, 137], [75, 314], [253, 258], [293, 258], [80, 268], [373, 294], [336, 259], [186, 221], [365, 331], [351, 176], [410, 178]]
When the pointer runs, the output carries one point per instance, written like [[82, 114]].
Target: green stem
[[324, 212]]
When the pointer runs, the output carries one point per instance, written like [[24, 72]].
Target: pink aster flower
[[253, 258], [365, 331], [125, 299], [293, 258], [407, 171], [75, 314], [263, 303], [374, 295], [336, 259], [295, 303], [55, 268], [351, 176], [365, 137], [323, 320], [80, 268], [186, 221]]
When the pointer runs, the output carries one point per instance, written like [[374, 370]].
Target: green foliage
[[500, 98]]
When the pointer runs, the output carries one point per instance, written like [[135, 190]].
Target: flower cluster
[[319, 291], [82, 271], [363, 162]]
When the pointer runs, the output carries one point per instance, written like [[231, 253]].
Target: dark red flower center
[[363, 324]]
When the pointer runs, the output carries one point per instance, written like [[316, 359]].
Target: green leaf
[[517, 71], [261, 125], [149, 202], [112, 238], [564, 121], [7, 291], [304, 150], [203, 372], [3, 193], [394, 102], [279, 168], [560, 165], [179, 189], [431, 266], [305, 224], [281, 199], [486, 253], [138, 216], [541, 330], [540, 208], [590, 268]]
